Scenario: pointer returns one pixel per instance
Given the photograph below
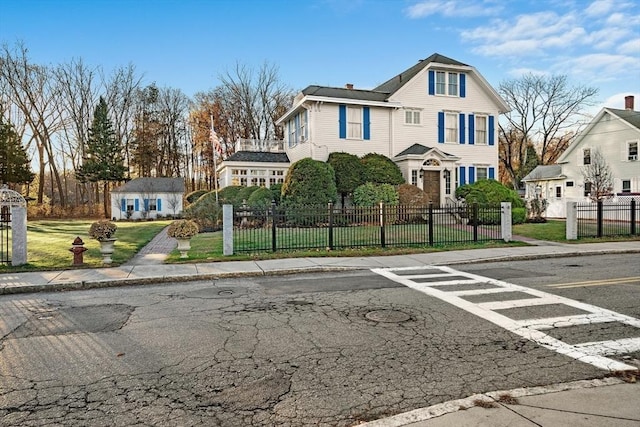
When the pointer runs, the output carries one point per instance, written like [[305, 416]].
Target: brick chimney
[[628, 102], [350, 87]]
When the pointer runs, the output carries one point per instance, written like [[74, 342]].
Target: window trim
[[351, 124], [633, 157], [628, 190], [586, 156], [413, 113], [443, 88], [476, 129], [455, 117], [486, 170]]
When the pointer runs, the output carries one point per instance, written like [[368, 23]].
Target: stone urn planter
[[103, 232], [106, 249], [183, 230], [183, 246]]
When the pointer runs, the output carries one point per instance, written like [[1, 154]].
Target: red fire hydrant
[[78, 249]]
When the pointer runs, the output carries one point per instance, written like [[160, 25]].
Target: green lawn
[[48, 243]]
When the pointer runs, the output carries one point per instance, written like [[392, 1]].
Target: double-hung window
[[481, 130], [632, 151], [587, 189], [130, 205], [412, 117], [451, 127], [414, 177], [447, 83], [354, 122], [626, 186], [481, 173], [586, 156], [453, 84]]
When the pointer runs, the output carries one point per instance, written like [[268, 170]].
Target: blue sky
[[187, 44]]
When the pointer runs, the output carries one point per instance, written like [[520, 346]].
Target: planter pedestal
[[183, 246], [106, 249]]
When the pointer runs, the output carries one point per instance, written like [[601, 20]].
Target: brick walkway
[[156, 251]]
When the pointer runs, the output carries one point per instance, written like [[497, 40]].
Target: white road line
[[608, 348], [517, 303], [528, 328]]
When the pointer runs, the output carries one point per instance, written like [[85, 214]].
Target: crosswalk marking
[[593, 353]]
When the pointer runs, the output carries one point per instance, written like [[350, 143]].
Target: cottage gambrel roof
[[152, 185], [258, 156], [381, 95], [630, 117]]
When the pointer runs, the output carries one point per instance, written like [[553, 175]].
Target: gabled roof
[[629, 117], [545, 173], [258, 157], [392, 85], [419, 149], [152, 185]]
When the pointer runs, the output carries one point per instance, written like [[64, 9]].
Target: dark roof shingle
[[152, 185], [258, 156]]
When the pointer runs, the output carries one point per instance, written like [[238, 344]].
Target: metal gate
[[5, 234]]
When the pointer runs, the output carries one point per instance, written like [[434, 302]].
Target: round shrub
[[229, 195], [410, 195], [380, 169], [349, 172], [518, 215], [309, 182], [195, 195], [489, 192], [260, 198], [370, 194], [276, 191], [206, 212]]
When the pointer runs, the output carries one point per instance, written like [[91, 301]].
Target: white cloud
[[599, 7], [519, 72], [451, 8], [630, 47], [617, 100], [598, 66]]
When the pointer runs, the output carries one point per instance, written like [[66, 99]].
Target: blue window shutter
[[123, 205], [463, 179], [492, 173], [432, 82], [491, 130], [441, 127], [472, 174], [343, 121], [462, 129], [136, 205], [472, 129], [463, 85], [145, 202], [366, 118], [159, 205]]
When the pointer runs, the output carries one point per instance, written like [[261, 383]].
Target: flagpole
[[213, 154]]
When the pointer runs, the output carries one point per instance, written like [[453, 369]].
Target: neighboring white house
[[616, 134], [143, 198], [437, 120]]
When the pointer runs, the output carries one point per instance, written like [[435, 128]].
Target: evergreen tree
[[103, 160], [14, 162]]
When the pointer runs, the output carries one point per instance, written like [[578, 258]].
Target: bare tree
[[33, 90], [79, 93], [545, 111], [598, 176]]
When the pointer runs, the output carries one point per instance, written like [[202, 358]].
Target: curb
[[493, 397]]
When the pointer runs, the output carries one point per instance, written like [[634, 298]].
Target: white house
[[437, 120], [143, 198], [616, 134]]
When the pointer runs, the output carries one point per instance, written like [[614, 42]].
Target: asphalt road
[[321, 349]]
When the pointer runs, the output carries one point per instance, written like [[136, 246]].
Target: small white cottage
[[143, 198]]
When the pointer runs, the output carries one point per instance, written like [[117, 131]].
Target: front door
[[431, 186]]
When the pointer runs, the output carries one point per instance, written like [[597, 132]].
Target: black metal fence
[[5, 235], [327, 227], [608, 219]]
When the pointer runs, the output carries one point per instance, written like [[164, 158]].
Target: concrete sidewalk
[[604, 402], [134, 273]]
